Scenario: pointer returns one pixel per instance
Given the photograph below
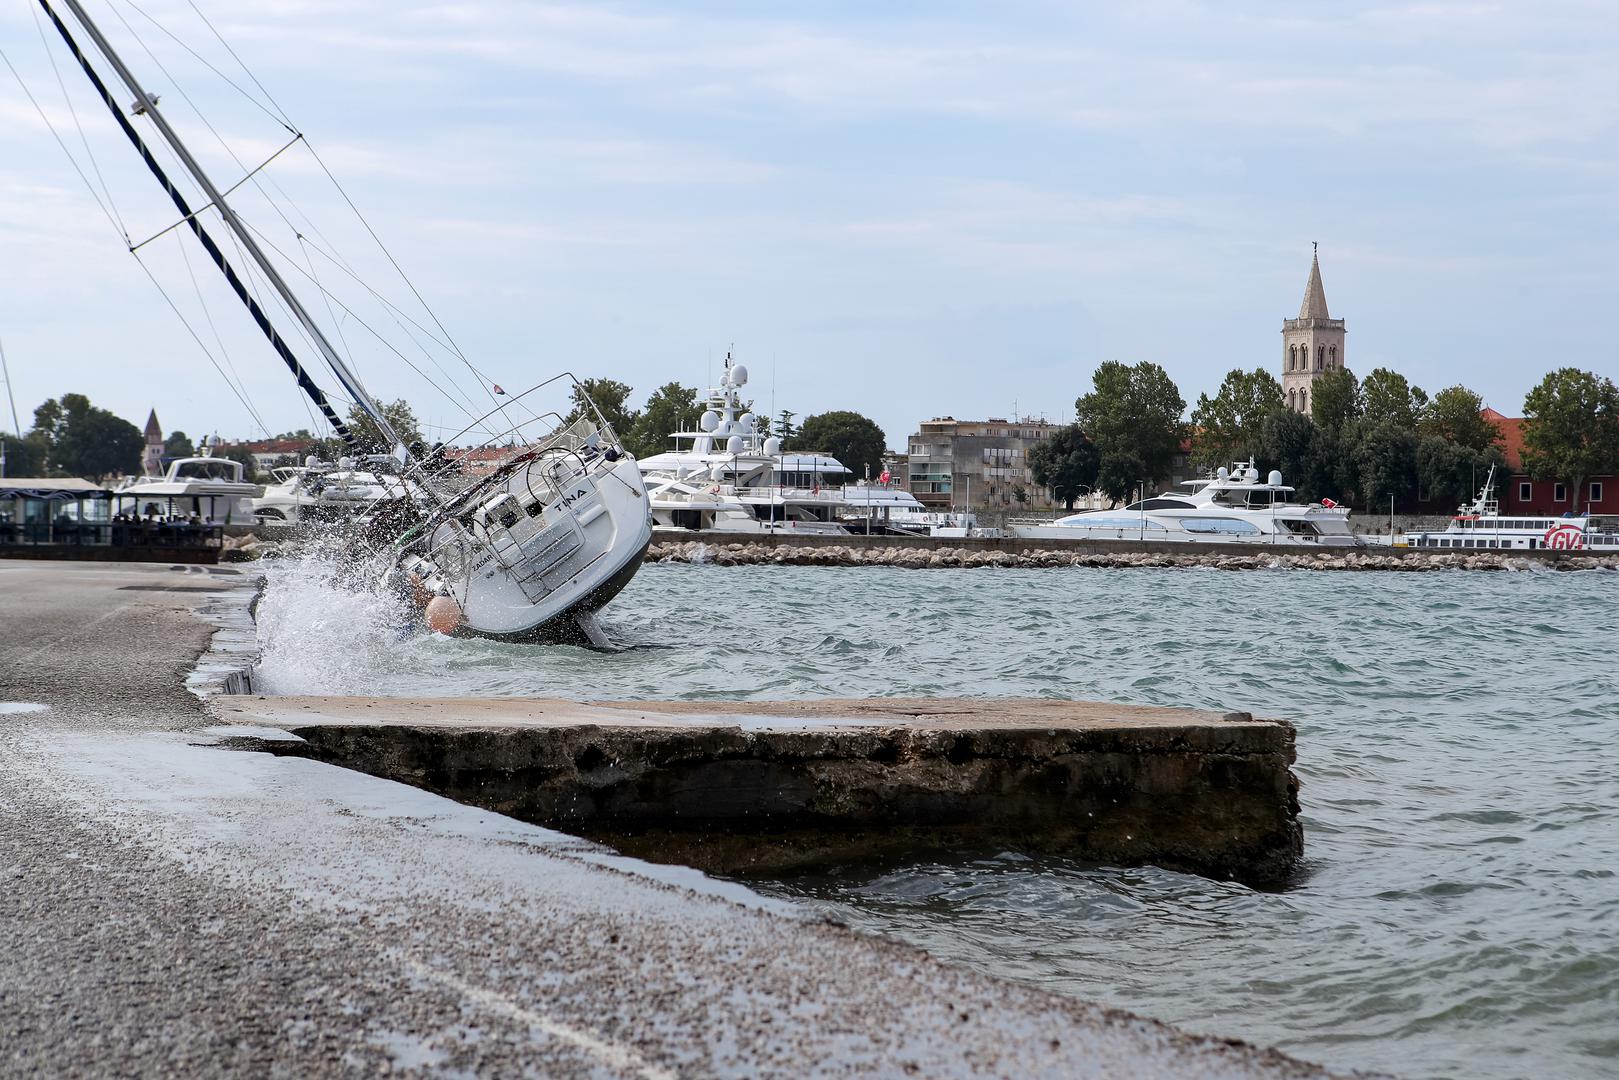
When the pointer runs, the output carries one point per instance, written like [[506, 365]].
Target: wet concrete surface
[[171, 907]]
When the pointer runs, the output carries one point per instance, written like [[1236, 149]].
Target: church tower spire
[[1312, 344]]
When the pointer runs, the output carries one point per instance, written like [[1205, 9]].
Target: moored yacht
[[206, 489], [322, 491], [731, 476], [1480, 524], [1234, 507]]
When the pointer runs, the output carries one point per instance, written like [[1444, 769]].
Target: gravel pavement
[[172, 907]]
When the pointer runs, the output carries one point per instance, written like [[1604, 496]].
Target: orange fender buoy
[[443, 615]]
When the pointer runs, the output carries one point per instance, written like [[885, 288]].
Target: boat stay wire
[[280, 346], [262, 165]]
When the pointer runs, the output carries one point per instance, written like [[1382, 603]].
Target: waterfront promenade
[[171, 907]]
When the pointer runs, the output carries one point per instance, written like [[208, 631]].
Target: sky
[[906, 209]]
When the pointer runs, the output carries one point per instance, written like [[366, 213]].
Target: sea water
[[1457, 914]]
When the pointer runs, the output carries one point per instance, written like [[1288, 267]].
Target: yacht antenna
[[146, 105]]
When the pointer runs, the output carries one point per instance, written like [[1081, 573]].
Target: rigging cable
[[202, 235], [74, 113], [448, 340]]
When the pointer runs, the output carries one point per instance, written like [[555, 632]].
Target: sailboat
[[528, 549]]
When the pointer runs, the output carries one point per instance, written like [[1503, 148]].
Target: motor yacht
[[207, 490], [320, 491], [1232, 507], [730, 476]]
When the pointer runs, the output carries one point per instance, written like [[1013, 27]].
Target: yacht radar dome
[[772, 446], [733, 445], [709, 421], [1275, 478], [739, 375], [1223, 474]]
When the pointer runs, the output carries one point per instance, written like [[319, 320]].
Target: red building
[[1521, 494]]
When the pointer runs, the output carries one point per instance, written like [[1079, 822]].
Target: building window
[[1332, 355], [1559, 493], [1293, 400], [1525, 491], [1304, 401], [1320, 357], [1596, 491]]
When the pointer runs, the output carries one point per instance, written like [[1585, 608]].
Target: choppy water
[[1459, 752]]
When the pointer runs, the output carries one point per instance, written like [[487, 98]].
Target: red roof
[[1511, 429]]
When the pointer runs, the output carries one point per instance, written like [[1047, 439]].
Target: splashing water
[[321, 635]]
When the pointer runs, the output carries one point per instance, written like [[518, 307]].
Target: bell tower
[[1312, 344]]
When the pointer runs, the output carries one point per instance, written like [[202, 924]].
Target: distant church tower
[[1312, 344], [152, 457]]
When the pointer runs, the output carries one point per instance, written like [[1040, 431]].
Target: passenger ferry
[[1480, 524], [1232, 508]]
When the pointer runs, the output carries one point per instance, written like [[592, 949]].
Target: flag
[[884, 478], [1328, 503], [498, 390]]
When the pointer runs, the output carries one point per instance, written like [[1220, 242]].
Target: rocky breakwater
[[914, 557]]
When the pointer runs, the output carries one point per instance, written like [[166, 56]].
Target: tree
[[851, 438], [1291, 443], [82, 440], [1064, 461], [24, 454], [1229, 426], [1134, 413], [1335, 400], [783, 427], [178, 446], [1120, 474], [1451, 470], [1386, 397], [368, 434], [1456, 415], [671, 408], [1385, 460], [1571, 428], [609, 396]]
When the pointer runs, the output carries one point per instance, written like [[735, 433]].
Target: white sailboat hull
[[541, 550]]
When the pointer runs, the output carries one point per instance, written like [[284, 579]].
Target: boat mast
[[146, 105]]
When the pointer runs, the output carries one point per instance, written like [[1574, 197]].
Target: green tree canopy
[[177, 445], [1450, 470], [1386, 397], [1335, 400], [1119, 475], [671, 408], [1304, 454], [783, 428], [1571, 428], [611, 397], [1134, 414], [25, 454], [369, 435], [82, 440], [1230, 426], [851, 438], [1066, 462], [1385, 462], [1456, 415]]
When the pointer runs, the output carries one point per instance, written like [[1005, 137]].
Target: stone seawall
[[1026, 555]]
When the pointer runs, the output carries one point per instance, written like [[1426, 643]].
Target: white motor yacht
[[210, 490], [1233, 507], [322, 491], [734, 478]]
